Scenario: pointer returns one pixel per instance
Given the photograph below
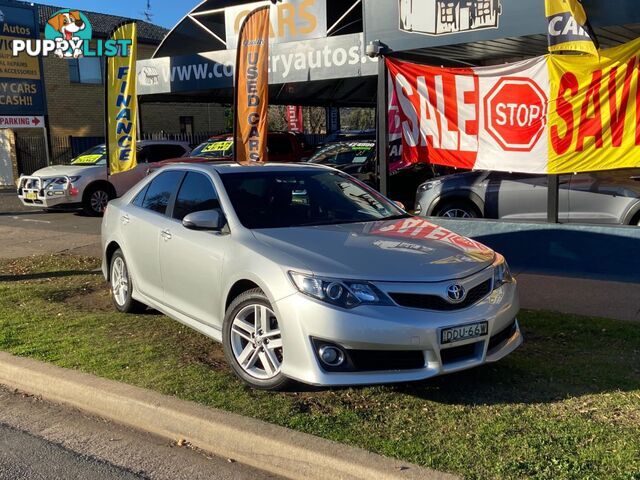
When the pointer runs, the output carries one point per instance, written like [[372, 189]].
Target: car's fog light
[[331, 356]]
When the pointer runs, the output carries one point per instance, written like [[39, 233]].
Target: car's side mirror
[[399, 204], [212, 220]]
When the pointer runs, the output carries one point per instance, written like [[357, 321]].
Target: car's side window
[[196, 194], [139, 198], [161, 152], [161, 189]]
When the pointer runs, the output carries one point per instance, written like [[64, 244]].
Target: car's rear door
[[191, 261], [142, 225]]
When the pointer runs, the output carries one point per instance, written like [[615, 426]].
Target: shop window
[[447, 12], [86, 70], [186, 125]]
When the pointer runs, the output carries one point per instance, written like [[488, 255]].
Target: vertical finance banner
[[552, 114], [252, 88], [121, 103], [21, 83]]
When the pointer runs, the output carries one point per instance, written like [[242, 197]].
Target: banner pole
[[382, 131], [553, 198]]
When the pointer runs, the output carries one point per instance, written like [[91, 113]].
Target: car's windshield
[[345, 153], [94, 156], [275, 199], [215, 148]]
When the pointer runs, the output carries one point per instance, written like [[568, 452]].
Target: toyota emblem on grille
[[456, 293]]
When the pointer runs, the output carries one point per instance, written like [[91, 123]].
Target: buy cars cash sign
[[252, 89]]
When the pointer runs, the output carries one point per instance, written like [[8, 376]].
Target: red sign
[[295, 120], [515, 113]]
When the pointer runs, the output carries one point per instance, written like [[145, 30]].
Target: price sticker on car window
[[87, 158], [217, 147]]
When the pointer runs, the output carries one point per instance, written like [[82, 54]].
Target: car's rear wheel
[[95, 200], [458, 209], [252, 341], [121, 285]]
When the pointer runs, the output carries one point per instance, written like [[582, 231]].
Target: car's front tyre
[[252, 341], [121, 285], [96, 198]]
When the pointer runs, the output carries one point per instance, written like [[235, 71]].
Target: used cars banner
[[121, 102], [252, 88], [552, 114]]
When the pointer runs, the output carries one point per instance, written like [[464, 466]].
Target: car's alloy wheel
[[456, 213], [119, 281], [256, 341], [252, 341], [98, 201], [122, 286]]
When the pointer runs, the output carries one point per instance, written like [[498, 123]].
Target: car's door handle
[[125, 219], [166, 234]]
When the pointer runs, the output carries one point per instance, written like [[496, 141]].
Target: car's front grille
[[435, 302], [377, 360], [502, 336], [458, 354]]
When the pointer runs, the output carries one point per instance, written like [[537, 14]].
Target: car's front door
[[522, 196], [142, 223], [603, 197], [190, 260]]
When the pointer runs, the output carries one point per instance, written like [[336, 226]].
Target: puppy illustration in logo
[[148, 76], [68, 25]]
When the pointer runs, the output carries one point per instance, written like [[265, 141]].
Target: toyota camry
[[306, 274]]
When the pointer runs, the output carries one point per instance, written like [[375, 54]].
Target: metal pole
[[553, 198], [47, 139], [382, 133]]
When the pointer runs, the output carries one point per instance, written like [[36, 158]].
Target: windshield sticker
[[217, 147], [87, 158], [362, 146]]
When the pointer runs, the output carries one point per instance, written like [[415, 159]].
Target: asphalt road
[[44, 441], [28, 231]]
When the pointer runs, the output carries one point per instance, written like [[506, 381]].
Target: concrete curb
[[262, 445]]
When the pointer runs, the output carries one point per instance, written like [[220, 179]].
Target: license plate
[[464, 332], [31, 195]]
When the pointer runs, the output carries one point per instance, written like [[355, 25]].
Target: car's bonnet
[[407, 250], [70, 170]]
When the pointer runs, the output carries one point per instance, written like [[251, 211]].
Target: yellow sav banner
[[252, 88], [594, 117], [121, 109]]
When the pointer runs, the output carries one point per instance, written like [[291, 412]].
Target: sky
[[166, 12]]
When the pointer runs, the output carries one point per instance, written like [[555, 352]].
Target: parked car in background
[[84, 182], [357, 156], [283, 147], [304, 273], [609, 197]]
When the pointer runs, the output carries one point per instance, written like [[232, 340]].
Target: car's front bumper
[[386, 330], [42, 193]]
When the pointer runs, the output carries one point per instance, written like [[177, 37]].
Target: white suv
[[85, 182]]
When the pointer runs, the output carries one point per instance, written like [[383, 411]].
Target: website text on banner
[[252, 88], [548, 115], [121, 110]]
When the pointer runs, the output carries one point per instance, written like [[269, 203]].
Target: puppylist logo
[[68, 34]]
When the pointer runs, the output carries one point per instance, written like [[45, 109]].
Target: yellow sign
[[122, 111], [22, 67], [569, 28], [87, 159], [217, 147], [593, 117]]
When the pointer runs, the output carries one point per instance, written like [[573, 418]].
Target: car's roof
[[232, 167], [161, 142]]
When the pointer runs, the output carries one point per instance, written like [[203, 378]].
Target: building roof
[[102, 24]]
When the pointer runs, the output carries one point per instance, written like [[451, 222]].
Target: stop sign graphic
[[516, 113]]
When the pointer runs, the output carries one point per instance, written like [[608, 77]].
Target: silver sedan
[[304, 273]]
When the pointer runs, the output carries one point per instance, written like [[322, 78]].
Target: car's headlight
[[501, 272], [429, 185], [342, 293]]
